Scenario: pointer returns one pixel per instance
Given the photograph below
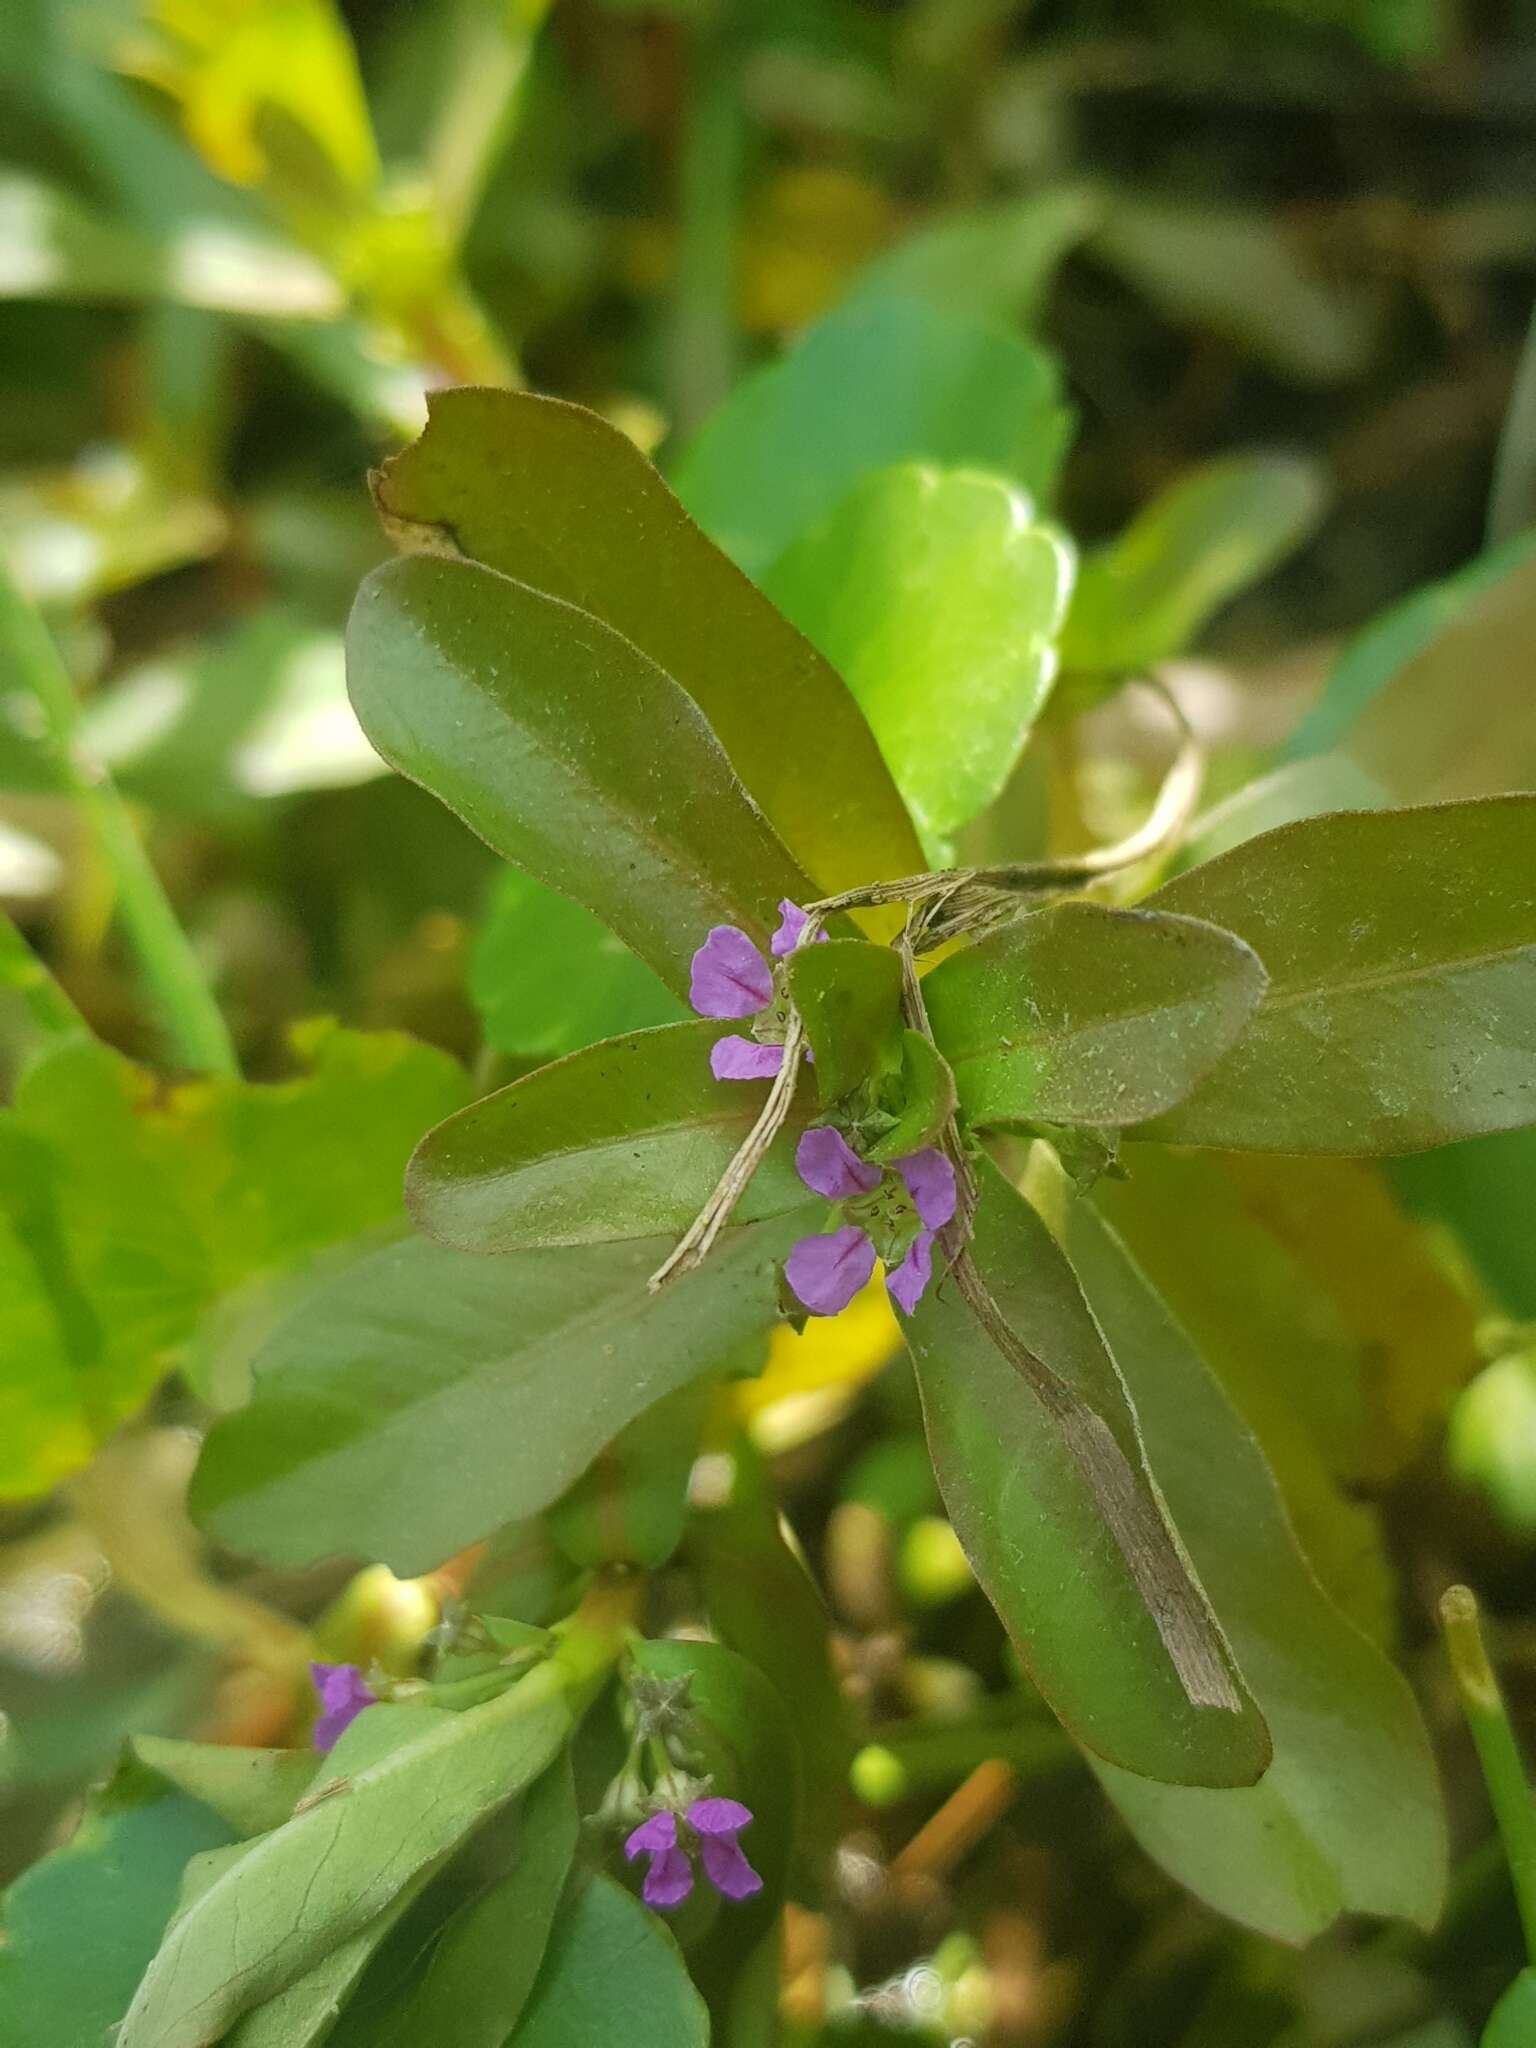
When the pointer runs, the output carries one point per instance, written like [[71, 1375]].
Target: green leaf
[[1348, 1818], [870, 385], [82, 1924], [131, 1206], [1485, 1192], [612, 1973], [548, 978], [1082, 1015], [991, 262], [250, 1790], [631, 1504], [479, 1975], [939, 596], [556, 497], [1299, 789], [849, 998], [1238, 273], [1212, 532], [922, 1099], [1031, 1523], [1512, 2023], [300, 1893], [626, 1139], [508, 1374], [762, 1601], [747, 1749], [569, 752], [1401, 1007], [1398, 638], [306, 2012]]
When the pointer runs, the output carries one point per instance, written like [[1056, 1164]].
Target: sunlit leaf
[[939, 595], [1214, 531], [870, 385], [996, 262], [548, 978]]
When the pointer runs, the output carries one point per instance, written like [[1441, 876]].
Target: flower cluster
[[731, 979], [709, 1825], [344, 1693], [891, 1213]]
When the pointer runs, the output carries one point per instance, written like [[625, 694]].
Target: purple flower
[[730, 978], [882, 1206], [715, 1823], [344, 1693]]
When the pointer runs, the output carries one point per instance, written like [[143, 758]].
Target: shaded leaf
[[1212, 532], [1347, 1818], [869, 385], [509, 1374], [626, 1139], [82, 1924], [612, 1972], [548, 978], [478, 1977], [939, 596], [1401, 1007], [630, 1506], [568, 751], [557, 497], [1485, 1192], [307, 2011], [1031, 1525], [1239, 274], [1082, 1015], [849, 998]]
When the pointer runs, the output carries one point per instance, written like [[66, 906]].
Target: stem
[[475, 118], [1497, 1752], [170, 968], [702, 363], [49, 1008]]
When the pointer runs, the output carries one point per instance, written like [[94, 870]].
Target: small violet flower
[[344, 1692], [732, 979], [892, 1214], [714, 1824]]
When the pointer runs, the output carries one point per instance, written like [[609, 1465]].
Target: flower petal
[[792, 922], [730, 976], [653, 1837], [344, 1693], [909, 1282], [727, 1868], [829, 1166], [827, 1272], [718, 1816], [930, 1179], [735, 1058], [669, 1880]]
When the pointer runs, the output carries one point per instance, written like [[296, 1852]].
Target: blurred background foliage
[[1252, 281]]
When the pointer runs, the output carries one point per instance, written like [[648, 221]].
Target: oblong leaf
[[1081, 1015], [625, 1139], [849, 997], [567, 750], [557, 497], [1348, 1817], [298, 1894], [1031, 1524], [612, 1973], [1401, 1007], [424, 1397]]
